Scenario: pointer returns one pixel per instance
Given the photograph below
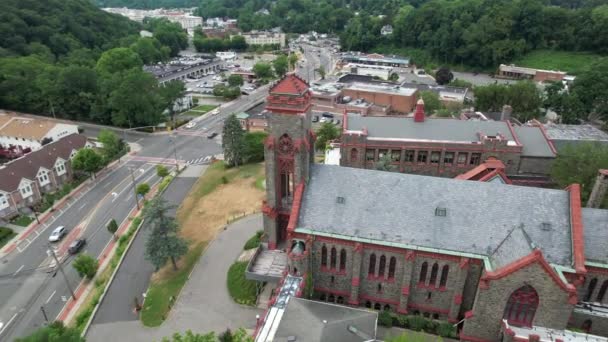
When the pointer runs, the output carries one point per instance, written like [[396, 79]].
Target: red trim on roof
[[290, 84], [576, 222], [513, 133], [542, 130], [295, 207], [535, 257]]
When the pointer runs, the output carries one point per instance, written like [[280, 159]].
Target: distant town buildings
[[264, 38], [226, 55], [19, 134], [386, 30], [373, 59], [23, 181], [183, 17], [221, 23], [182, 68]]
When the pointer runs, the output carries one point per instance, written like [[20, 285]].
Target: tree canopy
[[54, 332], [163, 243], [233, 141]]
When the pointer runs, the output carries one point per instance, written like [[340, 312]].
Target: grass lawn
[[571, 62], [243, 291], [22, 220], [205, 108], [6, 234], [158, 298], [217, 174], [254, 241]]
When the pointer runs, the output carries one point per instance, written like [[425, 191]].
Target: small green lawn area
[[243, 291], [571, 62], [254, 241], [6, 234], [158, 298], [204, 108], [22, 220], [217, 174]]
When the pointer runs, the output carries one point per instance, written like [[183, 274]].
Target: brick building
[[502, 261], [521, 73], [446, 147]]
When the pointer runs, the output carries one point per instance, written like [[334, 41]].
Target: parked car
[[315, 118], [215, 112], [328, 115], [57, 234], [212, 135], [190, 124], [323, 119], [77, 245]]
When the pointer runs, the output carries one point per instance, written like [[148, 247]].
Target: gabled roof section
[[492, 170], [514, 246], [290, 84], [595, 222], [28, 165]]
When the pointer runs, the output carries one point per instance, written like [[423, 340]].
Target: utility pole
[[46, 319], [67, 283], [134, 188], [175, 154]]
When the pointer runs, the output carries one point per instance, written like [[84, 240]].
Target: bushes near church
[[417, 323]]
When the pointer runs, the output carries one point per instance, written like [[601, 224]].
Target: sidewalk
[[204, 304]]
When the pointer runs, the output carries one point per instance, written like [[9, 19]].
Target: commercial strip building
[[373, 59], [503, 262], [264, 38], [537, 75], [184, 67], [19, 134], [24, 180]]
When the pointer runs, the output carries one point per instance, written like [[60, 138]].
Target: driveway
[[204, 304]]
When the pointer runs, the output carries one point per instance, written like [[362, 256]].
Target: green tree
[[85, 265], [162, 171], [168, 34], [394, 77], [113, 146], [172, 94], [136, 101], [233, 141], [54, 332], [262, 70], [150, 50], [235, 80], [238, 336], [118, 60], [112, 227], [87, 160], [579, 164], [384, 163], [142, 189], [163, 243], [326, 132], [321, 71], [253, 149], [443, 76], [281, 65], [526, 99], [591, 88], [431, 100], [293, 60]]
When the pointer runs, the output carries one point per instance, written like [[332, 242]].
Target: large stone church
[[504, 262]]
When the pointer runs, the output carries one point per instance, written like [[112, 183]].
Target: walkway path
[[204, 304]]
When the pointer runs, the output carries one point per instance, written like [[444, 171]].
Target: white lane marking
[[82, 206], [8, 323], [50, 297], [19, 269]]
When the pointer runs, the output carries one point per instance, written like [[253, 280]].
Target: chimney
[[506, 112], [419, 113], [599, 189]]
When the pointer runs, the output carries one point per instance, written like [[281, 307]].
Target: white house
[[30, 133]]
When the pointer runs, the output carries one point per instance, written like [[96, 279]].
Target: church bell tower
[[288, 153]]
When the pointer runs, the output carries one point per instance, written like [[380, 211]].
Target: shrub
[[254, 241], [224, 180], [445, 329], [162, 171], [417, 323], [86, 265], [385, 319]]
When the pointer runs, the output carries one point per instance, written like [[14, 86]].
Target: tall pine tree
[[163, 243], [233, 141]]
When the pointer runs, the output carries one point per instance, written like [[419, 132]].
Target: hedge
[[417, 323]]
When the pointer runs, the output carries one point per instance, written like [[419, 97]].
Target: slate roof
[[290, 84], [516, 245], [535, 143], [304, 319], [430, 129], [28, 165], [595, 222], [400, 208]]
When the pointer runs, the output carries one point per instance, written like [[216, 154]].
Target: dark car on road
[[211, 135], [77, 245]]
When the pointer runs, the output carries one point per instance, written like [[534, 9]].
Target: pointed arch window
[[382, 266], [602, 293], [590, 289], [392, 265], [372, 265], [342, 259], [423, 270], [434, 271], [332, 260], [521, 306], [444, 276], [285, 151], [323, 256]]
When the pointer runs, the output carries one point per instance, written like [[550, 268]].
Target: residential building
[[386, 30], [374, 59], [24, 180], [536, 75], [564, 135], [264, 38], [27, 133], [498, 260]]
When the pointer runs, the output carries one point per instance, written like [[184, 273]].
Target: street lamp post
[[174, 153], [134, 188], [51, 252]]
